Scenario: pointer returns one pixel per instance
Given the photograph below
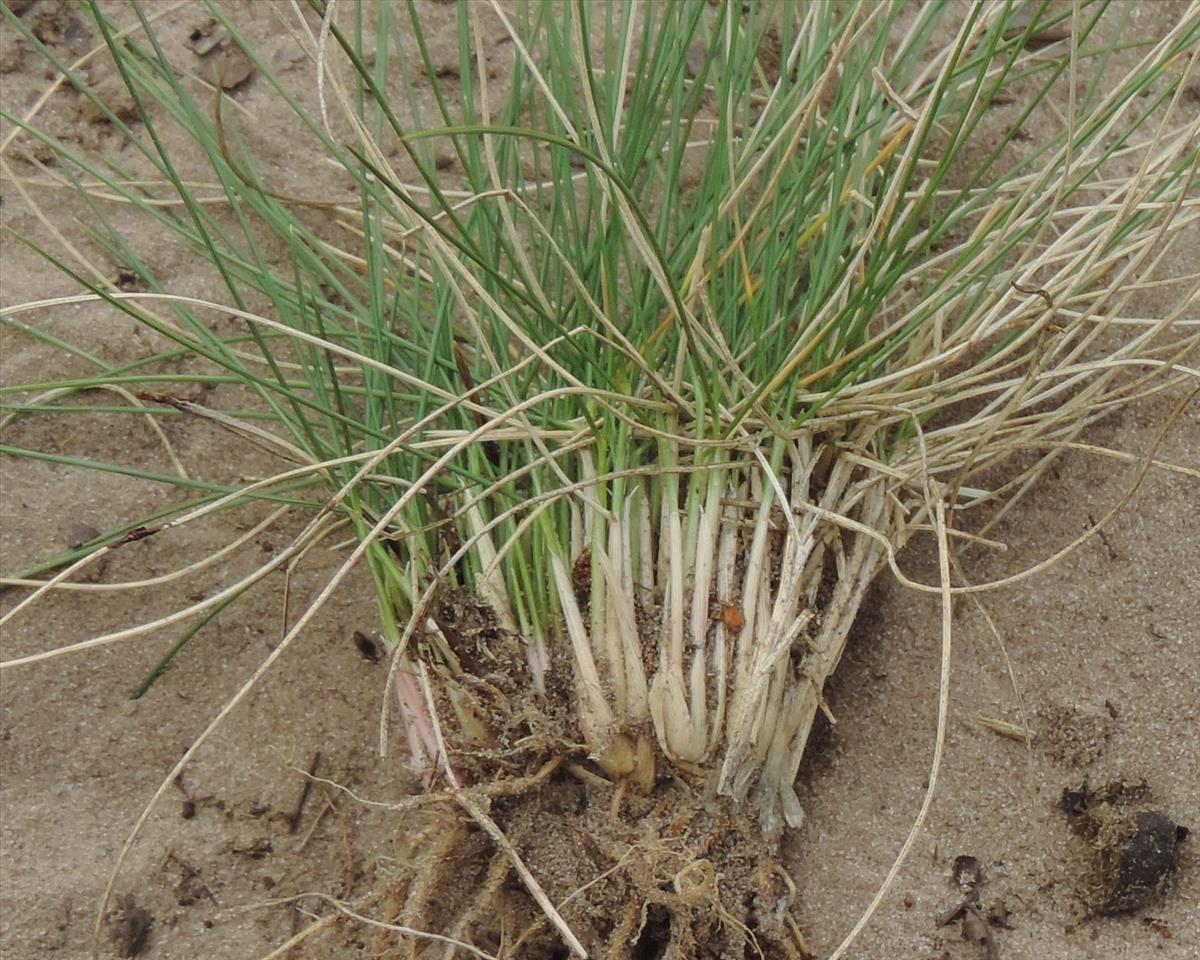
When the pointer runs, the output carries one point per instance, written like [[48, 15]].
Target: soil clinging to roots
[[672, 871], [671, 875]]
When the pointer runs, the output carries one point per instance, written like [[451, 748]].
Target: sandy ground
[[1103, 647]]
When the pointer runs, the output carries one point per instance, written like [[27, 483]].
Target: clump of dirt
[[1073, 737], [670, 875], [1129, 851], [637, 870], [129, 927]]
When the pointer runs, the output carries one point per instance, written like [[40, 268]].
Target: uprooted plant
[[629, 363]]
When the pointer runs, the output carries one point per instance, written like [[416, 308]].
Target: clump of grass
[[641, 352]]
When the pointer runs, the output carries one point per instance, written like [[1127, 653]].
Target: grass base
[[636, 869]]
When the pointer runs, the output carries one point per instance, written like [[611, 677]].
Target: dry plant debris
[[129, 927]]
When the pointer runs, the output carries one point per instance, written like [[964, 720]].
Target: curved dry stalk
[[96, 188], [185, 613], [195, 567], [346, 911], [187, 518], [168, 447], [483, 792], [112, 293], [52, 228], [488, 825], [939, 744], [318, 522], [310, 339], [58, 579], [946, 590], [1123, 455]]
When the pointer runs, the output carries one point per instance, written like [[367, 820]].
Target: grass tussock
[[623, 345]]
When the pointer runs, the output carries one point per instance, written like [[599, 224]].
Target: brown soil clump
[[669, 872], [672, 875], [1130, 851]]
